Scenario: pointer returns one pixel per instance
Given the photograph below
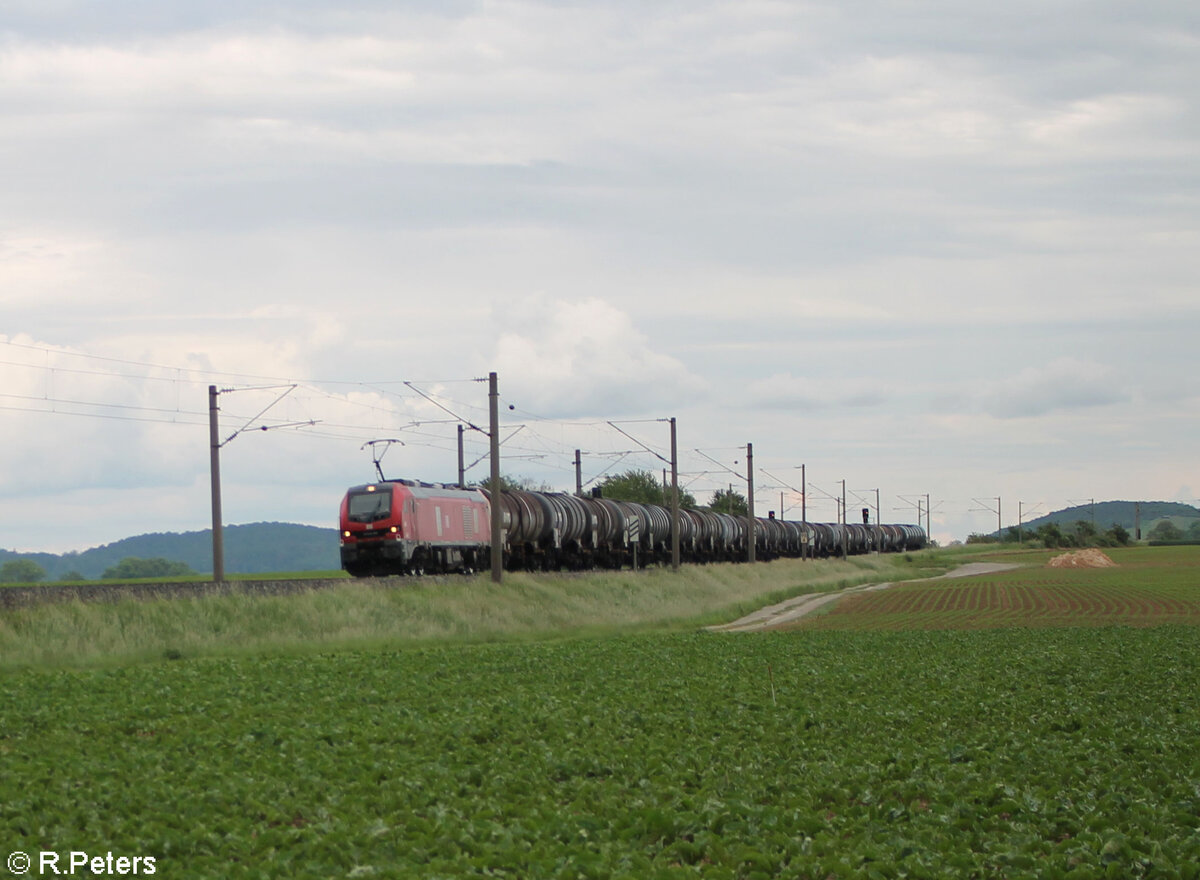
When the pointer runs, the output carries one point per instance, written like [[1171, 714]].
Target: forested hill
[[256, 548], [1123, 513]]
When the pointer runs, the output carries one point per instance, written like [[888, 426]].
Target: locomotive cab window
[[365, 507]]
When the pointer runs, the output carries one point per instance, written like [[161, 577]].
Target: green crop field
[[978, 752], [1023, 753], [1147, 586]]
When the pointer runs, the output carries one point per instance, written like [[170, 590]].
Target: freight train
[[410, 527]]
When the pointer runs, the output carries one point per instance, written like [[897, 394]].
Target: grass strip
[[471, 609]]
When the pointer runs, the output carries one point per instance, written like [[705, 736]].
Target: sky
[[926, 248]]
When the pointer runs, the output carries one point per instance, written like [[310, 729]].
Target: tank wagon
[[410, 527]]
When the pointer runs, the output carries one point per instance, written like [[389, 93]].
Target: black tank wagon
[[426, 529]]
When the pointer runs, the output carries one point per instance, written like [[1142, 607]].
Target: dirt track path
[[791, 610]]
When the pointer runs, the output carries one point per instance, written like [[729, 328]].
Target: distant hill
[[1122, 513], [257, 548]]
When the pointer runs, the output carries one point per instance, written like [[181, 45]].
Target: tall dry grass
[[363, 613]]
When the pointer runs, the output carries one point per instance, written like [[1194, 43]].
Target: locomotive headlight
[[394, 530], [346, 533]]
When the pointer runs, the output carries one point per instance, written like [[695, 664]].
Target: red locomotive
[[402, 526]]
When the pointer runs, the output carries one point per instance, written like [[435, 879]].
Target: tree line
[[26, 571], [1083, 533]]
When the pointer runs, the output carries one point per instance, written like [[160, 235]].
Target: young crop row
[[1023, 753], [1028, 597]]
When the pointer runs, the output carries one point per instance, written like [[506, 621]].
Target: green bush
[[21, 571], [132, 567]]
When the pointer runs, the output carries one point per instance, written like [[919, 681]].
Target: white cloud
[[788, 392], [39, 267], [1063, 384], [567, 359], [960, 239]]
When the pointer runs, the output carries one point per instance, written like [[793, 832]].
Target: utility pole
[[674, 463], [928, 519], [874, 536], [497, 519], [984, 507], [1079, 502], [578, 474], [1021, 520], [462, 474], [750, 500], [214, 459], [804, 508], [845, 525], [674, 500], [215, 444], [878, 524]]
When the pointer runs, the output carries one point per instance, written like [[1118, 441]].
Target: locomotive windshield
[[365, 507]]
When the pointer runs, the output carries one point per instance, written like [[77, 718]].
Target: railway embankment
[[19, 597]]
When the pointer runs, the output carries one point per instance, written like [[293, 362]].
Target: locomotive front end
[[372, 530]]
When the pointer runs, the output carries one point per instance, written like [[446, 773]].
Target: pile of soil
[[1090, 558]]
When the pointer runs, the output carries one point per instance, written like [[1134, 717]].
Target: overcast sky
[[923, 247]]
